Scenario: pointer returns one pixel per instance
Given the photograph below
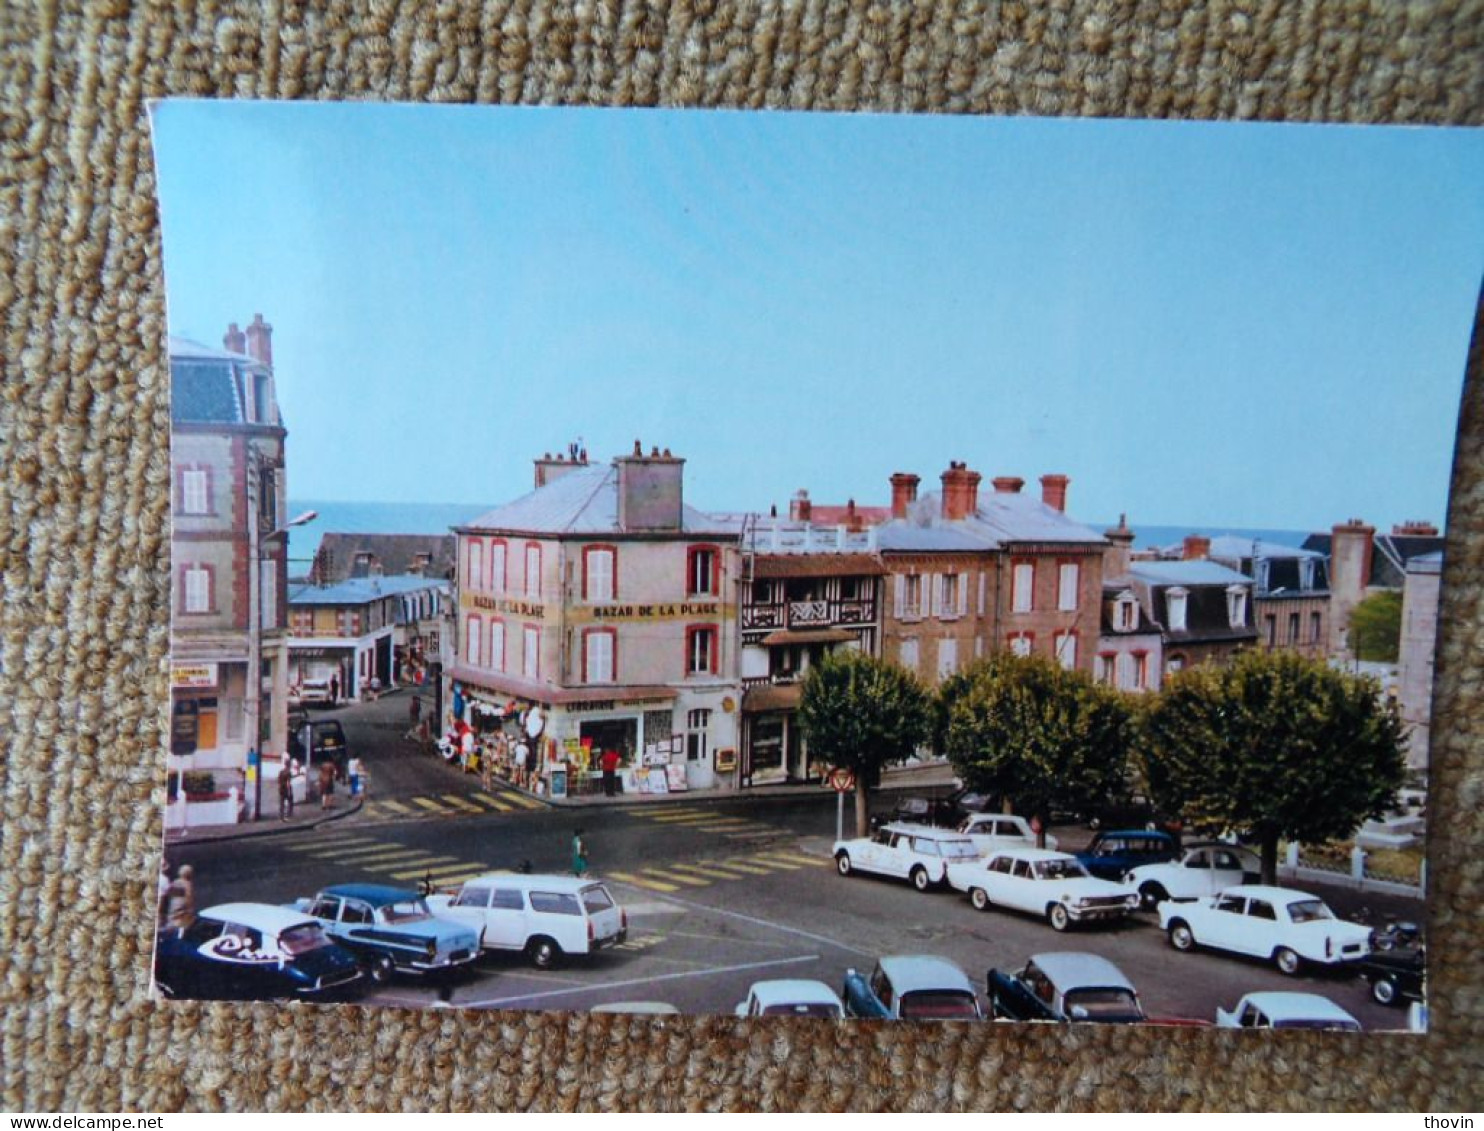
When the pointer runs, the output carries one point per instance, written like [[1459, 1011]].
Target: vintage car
[[1203, 868], [1289, 927], [1113, 853], [911, 987], [546, 917], [1064, 986], [1042, 882], [391, 928], [1395, 976], [252, 951], [314, 693], [1277, 1010], [790, 997], [910, 852], [990, 831]]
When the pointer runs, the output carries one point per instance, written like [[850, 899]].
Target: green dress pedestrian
[[579, 854]]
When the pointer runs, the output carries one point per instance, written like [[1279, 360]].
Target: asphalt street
[[719, 893]]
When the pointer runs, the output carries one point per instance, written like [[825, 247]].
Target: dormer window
[[1306, 573], [1125, 613], [1236, 605], [1175, 601]]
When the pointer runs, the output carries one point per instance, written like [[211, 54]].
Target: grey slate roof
[[1186, 573], [361, 590], [581, 502], [1393, 552], [204, 383], [1232, 546], [1002, 519], [393, 553]]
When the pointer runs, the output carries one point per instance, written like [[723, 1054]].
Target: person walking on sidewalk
[[579, 854], [285, 791], [326, 784]]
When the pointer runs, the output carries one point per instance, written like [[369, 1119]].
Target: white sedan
[[1202, 869], [992, 831], [1286, 1011], [1042, 882], [791, 997], [1289, 927]]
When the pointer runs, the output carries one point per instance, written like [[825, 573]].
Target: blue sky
[[1217, 324]]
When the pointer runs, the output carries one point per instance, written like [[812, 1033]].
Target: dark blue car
[[252, 952], [1112, 854], [391, 928]]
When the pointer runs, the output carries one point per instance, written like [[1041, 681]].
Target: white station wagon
[[547, 917], [1289, 927], [909, 852], [1042, 882]]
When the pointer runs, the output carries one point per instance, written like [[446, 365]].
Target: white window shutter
[[963, 593], [935, 588]]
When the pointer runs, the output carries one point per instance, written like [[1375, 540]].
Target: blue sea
[[342, 517]]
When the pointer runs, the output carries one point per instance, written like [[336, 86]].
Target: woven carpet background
[[84, 540]]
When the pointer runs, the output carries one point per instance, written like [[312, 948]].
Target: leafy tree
[[1274, 745], [861, 713], [1376, 627], [1046, 738]]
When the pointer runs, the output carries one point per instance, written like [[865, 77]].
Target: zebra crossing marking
[[382, 854], [459, 802], [423, 867], [639, 881], [493, 802], [672, 872], [429, 804]]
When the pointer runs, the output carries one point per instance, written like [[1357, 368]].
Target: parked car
[[546, 917], [1042, 882], [939, 810], [990, 831], [1395, 976], [314, 693], [910, 852], [391, 929], [326, 740], [251, 951], [1276, 1010], [653, 1008], [1064, 986], [1203, 868], [791, 997], [911, 987], [1289, 927], [1110, 855]]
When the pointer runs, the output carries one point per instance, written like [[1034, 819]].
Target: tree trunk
[[1270, 858], [862, 807]]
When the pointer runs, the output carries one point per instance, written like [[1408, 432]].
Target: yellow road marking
[[715, 871], [668, 812], [424, 866], [523, 800], [467, 806], [395, 806], [386, 854], [429, 804], [639, 881], [676, 874], [492, 802], [314, 845], [797, 858]]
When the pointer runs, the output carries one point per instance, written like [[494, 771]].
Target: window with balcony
[[598, 654], [1022, 587], [599, 573]]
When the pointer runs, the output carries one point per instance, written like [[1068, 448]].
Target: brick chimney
[[550, 468], [903, 493], [1054, 491], [854, 520], [1007, 484], [1120, 552], [1197, 548], [1415, 528], [1352, 545], [650, 490], [234, 340], [800, 509], [260, 341], [960, 492]]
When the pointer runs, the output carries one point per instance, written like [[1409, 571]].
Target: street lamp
[[255, 646]]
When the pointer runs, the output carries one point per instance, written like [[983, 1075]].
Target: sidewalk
[[307, 815]]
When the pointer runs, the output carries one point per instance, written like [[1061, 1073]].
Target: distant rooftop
[[1186, 573], [361, 590]]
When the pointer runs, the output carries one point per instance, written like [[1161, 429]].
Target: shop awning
[[809, 636], [772, 697]]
